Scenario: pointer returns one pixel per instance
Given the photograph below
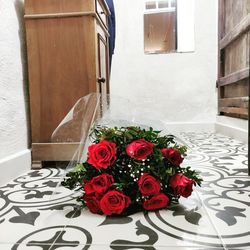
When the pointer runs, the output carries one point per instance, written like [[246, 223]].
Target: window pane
[[163, 4], [159, 32], [151, 5], [173, 3]]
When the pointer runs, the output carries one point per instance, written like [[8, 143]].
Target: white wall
[[13, 85], [180, 85]]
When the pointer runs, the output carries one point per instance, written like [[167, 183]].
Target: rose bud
[[139, 149], [92, 203], [172, 155], [156, 202], [181, 185]]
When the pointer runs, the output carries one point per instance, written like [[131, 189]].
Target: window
[[160, 26], [168, 26], [151, 5]]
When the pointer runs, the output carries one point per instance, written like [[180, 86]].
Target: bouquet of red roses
[[131, 169]]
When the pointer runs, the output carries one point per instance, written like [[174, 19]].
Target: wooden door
[[234, 57], [234, 44]]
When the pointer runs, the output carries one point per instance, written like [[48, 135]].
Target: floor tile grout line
[[211, 221]]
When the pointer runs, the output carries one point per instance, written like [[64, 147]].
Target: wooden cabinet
[[67, 49]]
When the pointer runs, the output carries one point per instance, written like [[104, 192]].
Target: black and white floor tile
[[37, 213]]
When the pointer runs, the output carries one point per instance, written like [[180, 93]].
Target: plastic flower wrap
[[127, 167]]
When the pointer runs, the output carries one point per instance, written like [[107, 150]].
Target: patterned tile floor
[[36, 213]]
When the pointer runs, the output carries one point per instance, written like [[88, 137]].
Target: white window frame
[[157, 9], [185, 22]]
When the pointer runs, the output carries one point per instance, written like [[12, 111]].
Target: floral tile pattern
[[37, 213]]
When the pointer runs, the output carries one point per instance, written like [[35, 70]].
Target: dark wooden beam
[[234, 77], [240, 102], [232, 110], [239, 29]]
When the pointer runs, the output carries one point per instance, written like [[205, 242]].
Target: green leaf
[[169, 171], [118, 185], [79, 167]]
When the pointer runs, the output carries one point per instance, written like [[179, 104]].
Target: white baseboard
[[233, 127], [14, 165]]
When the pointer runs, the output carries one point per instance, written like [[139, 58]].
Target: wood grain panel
[[240, 89], [238, 111], [234, 77], [62, 6], [236, 55], [58, 6], [64, 68], [54, 151], [238, 30], [235, 10], [75, 127], [234, 102]]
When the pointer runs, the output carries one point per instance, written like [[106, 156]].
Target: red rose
[[102, 154], [102, 183], [172, 155], [181, 185], [156, 202], [88, 188], [114, 202], [148, 185], [139, 149], [92, 203]]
